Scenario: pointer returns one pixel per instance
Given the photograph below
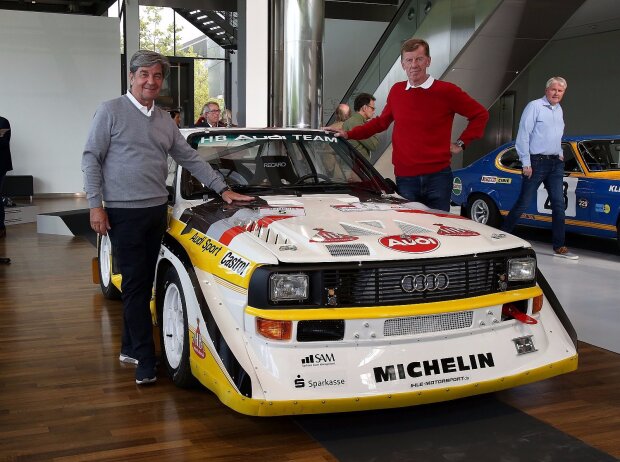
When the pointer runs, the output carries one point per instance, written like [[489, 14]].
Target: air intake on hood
[[358, 231], [347, 250], [266, 234], [373, 223], [409, 229]]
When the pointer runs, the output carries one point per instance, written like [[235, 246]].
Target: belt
[[544, 156]]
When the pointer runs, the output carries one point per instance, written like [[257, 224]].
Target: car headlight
[[288, 287], [521, 269]]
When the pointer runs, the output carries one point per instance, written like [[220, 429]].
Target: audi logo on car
[[421, 282]]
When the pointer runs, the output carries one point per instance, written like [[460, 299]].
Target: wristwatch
[[460, 144], [227, 188]]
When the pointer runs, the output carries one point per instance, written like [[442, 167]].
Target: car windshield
[[600, 155], [285, 161]]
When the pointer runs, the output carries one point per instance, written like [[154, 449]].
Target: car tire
[[482, 209], [174, 331], [104, 254]]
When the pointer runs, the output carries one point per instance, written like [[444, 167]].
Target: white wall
[[56, 69]]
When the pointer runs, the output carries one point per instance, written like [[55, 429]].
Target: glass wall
[[198, 64]]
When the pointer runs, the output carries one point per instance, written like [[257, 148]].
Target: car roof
[[590, 137]]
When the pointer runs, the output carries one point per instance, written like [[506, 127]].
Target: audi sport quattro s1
[[490, 186], [331, 293]]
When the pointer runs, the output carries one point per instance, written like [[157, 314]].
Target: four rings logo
[[422, 282]]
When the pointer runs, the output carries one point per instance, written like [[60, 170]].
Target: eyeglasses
[[214, 110], [371, 107]]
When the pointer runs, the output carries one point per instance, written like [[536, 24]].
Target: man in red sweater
[[423, 110]]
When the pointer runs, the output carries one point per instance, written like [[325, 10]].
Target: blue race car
[[488, 188]]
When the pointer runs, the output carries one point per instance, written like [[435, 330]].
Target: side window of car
[[510, 159], [597, 154], [570, 161], [615, 156]]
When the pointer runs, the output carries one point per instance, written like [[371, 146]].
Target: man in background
[[5, 164], [343, 112], [210, 116], [125, 164], [364, 107], [539, 145], [176, 116]]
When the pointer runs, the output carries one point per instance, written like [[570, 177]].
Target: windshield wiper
[[250, 187]]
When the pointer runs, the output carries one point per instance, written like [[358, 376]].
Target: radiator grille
[[425, 324], [370, 286]]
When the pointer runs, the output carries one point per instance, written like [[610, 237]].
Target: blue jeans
[[433, 190], [550, 172]]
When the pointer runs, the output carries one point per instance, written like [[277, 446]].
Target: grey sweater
[[125, 157]]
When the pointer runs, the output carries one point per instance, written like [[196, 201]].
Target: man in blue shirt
[[539, 145]]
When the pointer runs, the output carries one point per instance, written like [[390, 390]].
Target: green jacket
[[363, 146]]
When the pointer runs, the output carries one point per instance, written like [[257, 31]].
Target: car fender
[[490, 192], [226, 352]]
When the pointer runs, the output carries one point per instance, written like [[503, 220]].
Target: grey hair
[[148, 58], [206, 107], [553, 80]]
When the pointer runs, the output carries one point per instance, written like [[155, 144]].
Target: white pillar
[[132, 30], [253, 60]]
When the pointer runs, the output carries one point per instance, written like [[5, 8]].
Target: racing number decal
[[570, 198]]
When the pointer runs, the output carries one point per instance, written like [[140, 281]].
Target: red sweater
[[423, 125]]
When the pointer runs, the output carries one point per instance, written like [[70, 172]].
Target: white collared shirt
[[426, 84], [143, 109]]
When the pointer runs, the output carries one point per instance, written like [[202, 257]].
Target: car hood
[[327, 227]]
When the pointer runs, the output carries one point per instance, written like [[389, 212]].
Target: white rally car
[[331, 293]]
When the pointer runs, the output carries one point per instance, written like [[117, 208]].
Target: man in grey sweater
[[125, 164]]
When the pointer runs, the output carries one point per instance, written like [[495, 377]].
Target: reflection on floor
[[585, 287]]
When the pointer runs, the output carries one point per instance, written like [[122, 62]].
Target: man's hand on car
[[230, 196], [339, 132]]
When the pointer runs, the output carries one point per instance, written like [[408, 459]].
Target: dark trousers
[[136, 236], [547, 170], [433, 190], [2, 175]]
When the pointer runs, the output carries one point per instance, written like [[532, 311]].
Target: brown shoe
[[564, 253]]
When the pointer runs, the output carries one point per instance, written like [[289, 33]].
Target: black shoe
[[146, 375]]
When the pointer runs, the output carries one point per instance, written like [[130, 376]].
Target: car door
[[600, 184]]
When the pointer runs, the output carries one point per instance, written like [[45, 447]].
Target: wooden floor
[[65, 397]]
